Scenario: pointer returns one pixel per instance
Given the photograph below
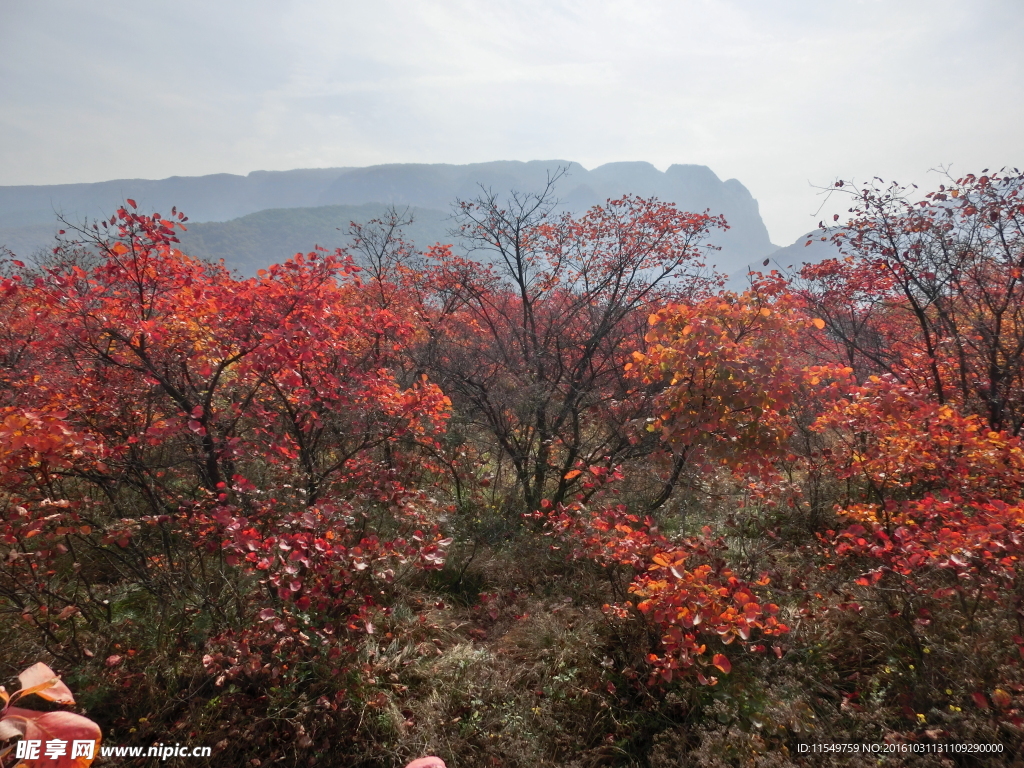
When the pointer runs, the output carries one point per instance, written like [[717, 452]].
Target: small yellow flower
[[920, 717]]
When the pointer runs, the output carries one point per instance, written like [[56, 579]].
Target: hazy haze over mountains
[[221, 206]]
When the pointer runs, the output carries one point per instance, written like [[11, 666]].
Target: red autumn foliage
[[266, 464], [170, 385], [683, 587], [530, 343]]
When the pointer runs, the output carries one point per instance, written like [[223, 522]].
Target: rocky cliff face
[[690, 187], [27, 213]]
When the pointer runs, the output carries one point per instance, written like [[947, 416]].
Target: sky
[[785, 95]]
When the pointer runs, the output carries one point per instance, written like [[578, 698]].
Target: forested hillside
[[549, 496], [254, 242]]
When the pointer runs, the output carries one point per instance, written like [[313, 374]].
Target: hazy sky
[[780, 94]]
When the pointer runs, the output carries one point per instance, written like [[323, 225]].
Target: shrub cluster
[[559, 501]]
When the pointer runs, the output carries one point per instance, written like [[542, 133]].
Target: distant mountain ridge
[[27, 213], [217, 197], [252, 242], [806, 249]]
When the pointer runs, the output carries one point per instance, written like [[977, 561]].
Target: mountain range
[[252, 221]]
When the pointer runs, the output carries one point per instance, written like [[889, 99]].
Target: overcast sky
[[780, 94]]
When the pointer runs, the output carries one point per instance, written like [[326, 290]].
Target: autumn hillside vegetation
[[548, 496]]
